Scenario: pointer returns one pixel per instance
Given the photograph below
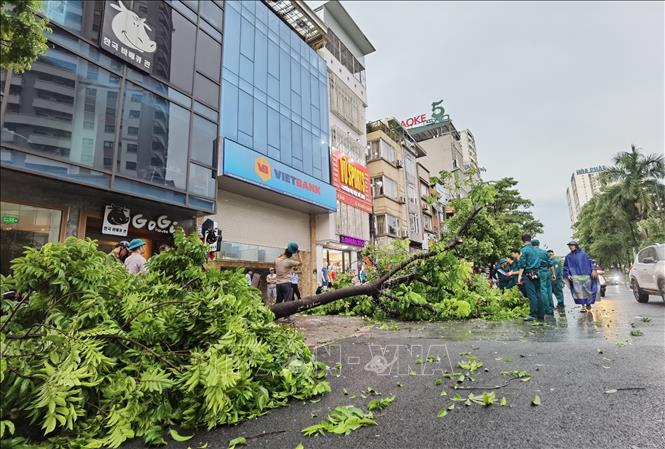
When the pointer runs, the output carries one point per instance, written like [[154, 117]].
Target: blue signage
[[251, 166]]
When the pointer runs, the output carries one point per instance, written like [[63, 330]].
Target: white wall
[[246, 220]]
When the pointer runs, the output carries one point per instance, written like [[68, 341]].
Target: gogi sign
[[125, 34]]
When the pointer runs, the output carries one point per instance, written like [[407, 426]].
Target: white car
[[647, 276]]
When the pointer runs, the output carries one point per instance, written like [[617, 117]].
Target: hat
[[503, 260], [535, 242], [123, 243], [136, 243], [573, 242], [292, 247]]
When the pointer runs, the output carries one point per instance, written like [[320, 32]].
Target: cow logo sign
[[130, 29], [125, 34]]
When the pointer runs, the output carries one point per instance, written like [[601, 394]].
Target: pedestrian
[[120, 252], [545, 274], [325, 281], [582, 278], [295, 278], [363, 275], [163, 248], [248, 276], [135, 262], [557, 280], [527, 276], [514, 269], [283, 268], [271, 279], [503, 274]]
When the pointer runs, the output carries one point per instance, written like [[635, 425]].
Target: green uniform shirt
[[543, 257], [529, 258], [556, 263]]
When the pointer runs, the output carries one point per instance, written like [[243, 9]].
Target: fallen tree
[[403, 272]]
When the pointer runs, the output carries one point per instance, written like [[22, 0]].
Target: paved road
[[572, 360]]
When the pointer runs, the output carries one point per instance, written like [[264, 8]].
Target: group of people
[[132, 255], [539, 274]]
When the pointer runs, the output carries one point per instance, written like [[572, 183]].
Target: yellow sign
[[352, 176], [263, 168]]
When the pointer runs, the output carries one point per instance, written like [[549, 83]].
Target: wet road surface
[[572, 360]]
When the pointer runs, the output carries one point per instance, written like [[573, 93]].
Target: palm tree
[[634, 186]]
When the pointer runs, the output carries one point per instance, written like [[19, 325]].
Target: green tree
[[22, 34], [634, 185]]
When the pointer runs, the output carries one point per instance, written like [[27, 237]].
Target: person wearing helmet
[[283, 269], [582, 278], [120, 252], [135, 263], [528, 278]]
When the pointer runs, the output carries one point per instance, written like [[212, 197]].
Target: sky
[[545, 88]]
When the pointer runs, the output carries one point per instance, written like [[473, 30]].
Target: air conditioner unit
[[398, 163], [405, 233], [402, 200]]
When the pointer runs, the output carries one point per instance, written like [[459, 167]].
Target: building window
[[384, 186], [83, 100], [387, 225], [134, 113], [23, 226], [162, 157], [132, 148], [382, 149]]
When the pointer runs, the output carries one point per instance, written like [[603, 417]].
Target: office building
[[111, 137], [469, 153], [341, 235], [274, 171], [584, 184]]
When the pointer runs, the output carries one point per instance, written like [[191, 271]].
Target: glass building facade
[[274, 90], [84, 116]]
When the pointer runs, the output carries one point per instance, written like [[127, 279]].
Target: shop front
[[35, 210]]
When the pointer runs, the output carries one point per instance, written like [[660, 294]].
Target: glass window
[[387, 224], [202, 181], [384, 186], [212, 13], [22, 226], [161, 139], [382, 149], [182, 36], [206, 91], [57, 107], [81, 17], [204, 134], [208, 57]]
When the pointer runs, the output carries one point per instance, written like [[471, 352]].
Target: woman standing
[[283, 268], [578, 270]]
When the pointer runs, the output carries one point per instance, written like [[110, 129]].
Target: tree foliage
[[629, 212], [92, 356], [22, 34]]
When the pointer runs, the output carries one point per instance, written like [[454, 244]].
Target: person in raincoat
[[582, 279], [557, 283], [545, 273]]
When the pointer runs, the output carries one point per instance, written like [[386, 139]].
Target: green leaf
[[177, 437], [503, 401], [443, 393], [535, 400], [443, 412], [299, 446], [381, 404], [504, 359], [412, 373], [240, 441], [451, 407], [438, 382]]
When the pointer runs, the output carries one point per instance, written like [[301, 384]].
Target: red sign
[[352, 182], [415, 121]]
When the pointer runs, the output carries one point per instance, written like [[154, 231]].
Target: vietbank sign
[[251, 166]]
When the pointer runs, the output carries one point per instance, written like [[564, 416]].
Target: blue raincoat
[[578, 266]]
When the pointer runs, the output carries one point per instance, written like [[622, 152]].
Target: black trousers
[[296, 292], [284, 292]]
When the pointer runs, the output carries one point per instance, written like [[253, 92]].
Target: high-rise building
[[113, 133], [469, 153], [584, 184], [395, 183], [275, 165], [342, 234]]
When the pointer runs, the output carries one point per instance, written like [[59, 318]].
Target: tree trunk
[[374, 288]]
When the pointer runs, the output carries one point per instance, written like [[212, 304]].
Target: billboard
[[352, 182]]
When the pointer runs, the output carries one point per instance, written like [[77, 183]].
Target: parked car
[[647, 276]]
